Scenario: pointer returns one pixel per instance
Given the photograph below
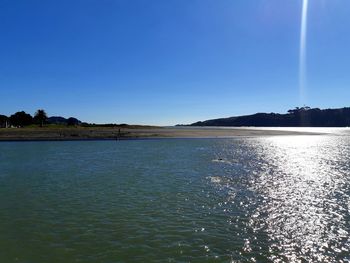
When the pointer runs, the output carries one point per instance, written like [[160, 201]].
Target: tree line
[[21, 119]]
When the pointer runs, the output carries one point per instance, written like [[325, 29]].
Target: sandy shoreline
[[102, 133]]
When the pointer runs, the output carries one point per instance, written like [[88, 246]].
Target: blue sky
[[168, 62]]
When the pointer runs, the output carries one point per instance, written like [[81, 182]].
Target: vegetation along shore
[[21, 126]]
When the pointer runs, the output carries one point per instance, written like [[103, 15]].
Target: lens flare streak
[[302, 54]]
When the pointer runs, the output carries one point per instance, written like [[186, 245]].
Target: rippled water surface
[[267, 199]]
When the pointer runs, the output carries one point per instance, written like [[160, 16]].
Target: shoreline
[[115, 133]]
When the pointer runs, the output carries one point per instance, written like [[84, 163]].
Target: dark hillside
[[299, 117]]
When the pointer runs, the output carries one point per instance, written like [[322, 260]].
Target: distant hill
[[63, 121], [298, 117]]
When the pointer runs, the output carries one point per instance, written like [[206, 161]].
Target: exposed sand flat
[[81, 133], [210, 132]]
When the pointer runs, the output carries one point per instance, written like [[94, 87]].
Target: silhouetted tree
[[40, 117], [299, 110], [3, 120], [21, 119]]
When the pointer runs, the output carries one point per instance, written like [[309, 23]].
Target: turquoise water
[[268, 199]]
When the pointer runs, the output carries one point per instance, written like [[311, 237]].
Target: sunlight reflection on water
[[258, 199], [301, 195]]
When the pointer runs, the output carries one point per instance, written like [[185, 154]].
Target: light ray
[[302, 54]]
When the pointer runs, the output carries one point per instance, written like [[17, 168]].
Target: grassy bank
[[57, 132]]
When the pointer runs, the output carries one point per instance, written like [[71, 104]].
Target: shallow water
[[271, 199]]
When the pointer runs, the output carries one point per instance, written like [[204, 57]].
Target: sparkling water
[[259, 199]]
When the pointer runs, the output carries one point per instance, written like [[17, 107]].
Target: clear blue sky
[[168, 62]]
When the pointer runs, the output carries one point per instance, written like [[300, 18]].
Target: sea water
[[259, 199]]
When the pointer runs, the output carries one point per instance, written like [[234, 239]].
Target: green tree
[[21, 119], [40, 117]]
